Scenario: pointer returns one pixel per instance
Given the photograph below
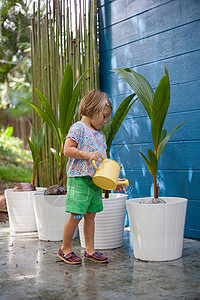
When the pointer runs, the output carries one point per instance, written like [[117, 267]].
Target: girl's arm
[[71, 150]]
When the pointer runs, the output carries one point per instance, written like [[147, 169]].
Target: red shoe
[[70, 258], [97, 257]]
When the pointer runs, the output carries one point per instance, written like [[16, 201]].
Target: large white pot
[[157, 229], [109, 224], [50, 216], [20, 210]]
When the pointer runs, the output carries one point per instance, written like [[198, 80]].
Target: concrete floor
[[29, 269]]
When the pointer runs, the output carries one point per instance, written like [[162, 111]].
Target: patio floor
[[29, 269]]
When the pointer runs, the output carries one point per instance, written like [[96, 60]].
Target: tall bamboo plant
[[60, 124], [61, 32], [156, 106]]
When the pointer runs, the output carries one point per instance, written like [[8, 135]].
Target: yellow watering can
[[107, 174]]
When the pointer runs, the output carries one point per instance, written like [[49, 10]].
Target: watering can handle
[[93, 162]]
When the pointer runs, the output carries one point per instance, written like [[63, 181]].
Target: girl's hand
[[120, 187], [94, 155]]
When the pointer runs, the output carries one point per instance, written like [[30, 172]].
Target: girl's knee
[[89, 216]]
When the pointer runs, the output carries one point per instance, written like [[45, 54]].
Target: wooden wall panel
[[184, 97], [138, 130], [179, 154], [144, 35]]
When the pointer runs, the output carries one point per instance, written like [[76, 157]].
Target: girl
[[84, 143]]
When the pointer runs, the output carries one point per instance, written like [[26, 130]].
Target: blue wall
[[145, 35]]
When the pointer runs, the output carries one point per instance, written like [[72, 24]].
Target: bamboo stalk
[[95, 45], [67, 33], [3, 211]]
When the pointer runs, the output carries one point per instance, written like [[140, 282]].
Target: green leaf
[[32, 133], [163, 135], [47, 108], [165, 140], [160, 106], [8, 132], [166, 71], [153, 160], [65, 97], [40, 139], [56, 155], [140, 86], [73, 105], [42, 113], [147, 162], [37, 162], [31, 146], [45, 117], [118, 118]]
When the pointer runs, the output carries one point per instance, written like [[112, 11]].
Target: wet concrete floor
[[29, 269]]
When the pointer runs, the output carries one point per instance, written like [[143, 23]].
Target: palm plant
[[156, 105], [116, 122], [68, 98], [35, 144]]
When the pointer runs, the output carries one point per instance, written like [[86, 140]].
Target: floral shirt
[[87, 139]]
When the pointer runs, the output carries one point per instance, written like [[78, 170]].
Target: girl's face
[[97, 121]]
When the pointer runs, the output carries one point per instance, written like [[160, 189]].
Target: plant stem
[[33, 176], [156, 188], [106, 194], [60, 177]]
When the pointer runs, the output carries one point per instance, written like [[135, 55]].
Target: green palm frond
[[160, 106], [140, 86], [118, 118]]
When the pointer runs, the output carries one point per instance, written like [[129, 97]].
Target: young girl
[[84, 143]]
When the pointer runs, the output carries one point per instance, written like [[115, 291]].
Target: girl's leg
[[69, 229], [88, 228]]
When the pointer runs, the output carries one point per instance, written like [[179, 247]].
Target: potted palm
[[50, 205], [157, 225], [20, 199], [109, 224]]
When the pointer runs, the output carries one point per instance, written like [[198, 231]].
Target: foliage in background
[[15, 162], [15, 71], [65, 33], [156, 105]]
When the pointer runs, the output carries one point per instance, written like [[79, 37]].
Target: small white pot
[[157, 229], [50, 216], [20, 210], [109, 224]]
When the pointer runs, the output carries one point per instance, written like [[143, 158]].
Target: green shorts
[[83, 196]]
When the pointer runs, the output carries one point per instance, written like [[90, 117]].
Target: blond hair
[[93, 103]]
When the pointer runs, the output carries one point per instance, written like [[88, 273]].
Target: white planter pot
[[20, 210], [50, 216], [109, 224], [157, 229]]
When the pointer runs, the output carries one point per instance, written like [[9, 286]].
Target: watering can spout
[[107, 174], [125, 182]]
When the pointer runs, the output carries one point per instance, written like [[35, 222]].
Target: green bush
[[14, 173], [15, 161]]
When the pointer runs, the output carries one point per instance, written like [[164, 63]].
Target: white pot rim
[[115, 195], [18, 192], [145, 200]]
